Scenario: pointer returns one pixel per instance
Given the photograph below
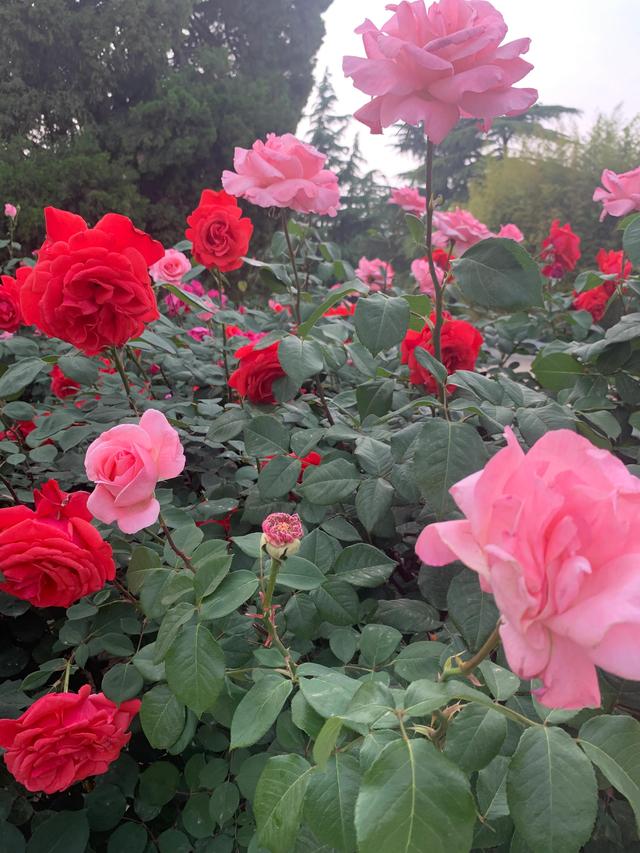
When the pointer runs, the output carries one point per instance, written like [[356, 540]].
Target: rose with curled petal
[[171, 268], [10, 311], [218, 231], [459, 227], [410, 200], [284, 172], [619, 194], [435, 65], [257, 370], [91, 286], [126, 462], [281, 534], [560, 250], [460, 344], [64, 738], [553, 534], [613, 263]]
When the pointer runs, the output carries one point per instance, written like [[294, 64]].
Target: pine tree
[[327, 127]]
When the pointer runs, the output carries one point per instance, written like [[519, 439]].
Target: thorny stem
[[438, 288], [292, 256], [67, 675], [225, 357], [467, 666], [269, 621], [173, 545], [323, 400]]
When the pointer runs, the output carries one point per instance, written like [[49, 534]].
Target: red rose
[[610, 263], [91, 286], [218, 232], [343, 309], [595, 300], [442, 259], [256, 373], [560, 250], [10, 311], [64, 738], [53, 556], [18, 432], [460, 344], [61, 385]]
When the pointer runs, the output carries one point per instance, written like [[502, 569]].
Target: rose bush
[[322, 555]]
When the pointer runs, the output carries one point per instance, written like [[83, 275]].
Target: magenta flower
[[281, 534], [621, 193], [10, 210]]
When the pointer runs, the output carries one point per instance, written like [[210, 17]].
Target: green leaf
[[419, 660], [330, 693], [128, 838], [234, 590], [372, 701], [424, 696], [446, 452], [337, 602], [500, 275], [552, 791], [330, 482], [259, 709], [300, 359], [613, 745], [278, 801], [475, 737], [175, 618], [364, 566], [330, 803], [378, 643], [334, 297], [326, 741], [19, 375], [375, 398], [196, 817], [64, 832], [373, 502], [431, 363], [414, 800], [279, 476], [557, 370], [142, 564], [416, 228], [224, 803], [81, 369], [381, 321], [162, 717], [534, 423], [159, 783], [195, 668], [473, 611], [298, 573], [631, 241], [122, 682], [265, 436]]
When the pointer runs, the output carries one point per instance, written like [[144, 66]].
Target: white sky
[[585, 54]]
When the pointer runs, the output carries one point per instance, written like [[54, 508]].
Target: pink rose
[[198, 333], [10, 210], [460, 227], [621, 193], [554, 536], [175, 305], [439, 65], [126, 463], [376, 273], [284, 172], [409, 199], [511, 232], [171, 268], [422, 274]]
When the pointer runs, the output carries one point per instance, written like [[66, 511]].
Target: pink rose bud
[[10, 210], [281, 534]]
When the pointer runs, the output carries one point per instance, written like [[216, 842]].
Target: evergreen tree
[[328, 128]]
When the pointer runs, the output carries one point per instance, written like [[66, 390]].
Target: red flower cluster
[[91, 286], [53, 556], [460, 345], [560, 250], [595, 300], [64, 738], [257, 371], [219, 233], [10, 312]]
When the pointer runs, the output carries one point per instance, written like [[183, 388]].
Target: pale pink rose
[[621, 193], [10, 210], [438, 65], [422, 274], [511, 232], [460, 227], [198, 333], [170, 269], [126, 463], [409, 199], [284, 172], [554, 536], [376, 273]]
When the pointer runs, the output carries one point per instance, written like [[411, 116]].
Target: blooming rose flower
[[237, 332], [126, 463], [64, 738], [284, 172], [10, 210], [511, 232], [619, 194], [422, 274], [553, 534], [595, 300], [409, 199], [218, 231], [610, 263], [171, 268], [438, 65], [10, 311], [560, 250], [256, 373], [52, 557], [62, 386], [198, 333], [376, 273], [90, 286], [281, 534], [460, 344], [458, 227]]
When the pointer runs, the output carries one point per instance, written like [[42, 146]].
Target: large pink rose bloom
[[409, 199], [438, 65], [284, 172], [554, 535], [126, 463], [377, 274], [621, 193], [458, 227], [171, 268]]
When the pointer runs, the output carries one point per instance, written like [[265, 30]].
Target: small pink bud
[[10, 210], [281, 533]]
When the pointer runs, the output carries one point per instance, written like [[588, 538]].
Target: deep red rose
[[344, 309], [18, 432], [256, 373], [62, 386], [595, 300], [219, 233], [560, 250], [442, 259], [64, 738], [460, 344], [10, 311], [53, 556], [91, 286], [312, 458], [610, 263]]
